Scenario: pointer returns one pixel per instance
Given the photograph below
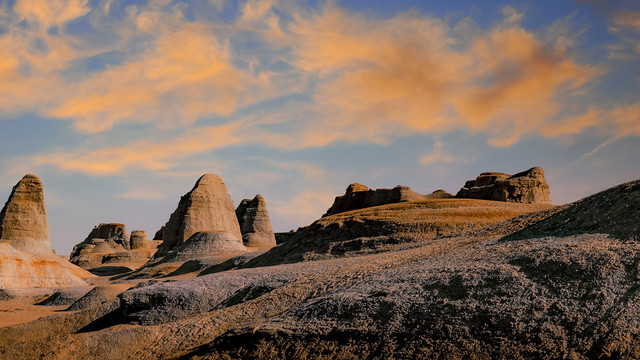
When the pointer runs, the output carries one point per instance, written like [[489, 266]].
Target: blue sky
[[119, 106]]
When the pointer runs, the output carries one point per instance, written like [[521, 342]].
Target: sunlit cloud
[[161, 154], [336, 75]]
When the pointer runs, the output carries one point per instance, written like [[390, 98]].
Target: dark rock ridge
[[359, 196], [529, 187], [207, 207], [255, 224], [110, 243], [23, 219]]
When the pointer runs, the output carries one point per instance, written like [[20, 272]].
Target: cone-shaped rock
[[23, 220], [255, 224], [207, 206]]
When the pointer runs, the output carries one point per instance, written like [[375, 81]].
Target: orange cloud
[[385, 78], [146, 155]]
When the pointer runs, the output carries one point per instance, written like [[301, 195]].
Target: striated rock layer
[[19, 269], [255, 224], [359, 196], [207, 207], [529, 187], [23, 219]]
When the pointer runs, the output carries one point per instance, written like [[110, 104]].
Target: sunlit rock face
[[528, 187], [207, 207], [255, 224], [23, 220], [26, 257]]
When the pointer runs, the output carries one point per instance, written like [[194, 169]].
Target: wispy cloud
[[325, 75]]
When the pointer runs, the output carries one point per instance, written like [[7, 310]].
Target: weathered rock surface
[[207, 207], [359, 196], [255, 224], [23, 219], [66, 295], [208, 243], [529, 187], [26, 257], [111, 244], [97, 296], [23, 270]]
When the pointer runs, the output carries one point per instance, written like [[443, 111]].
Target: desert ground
[[429, 277]]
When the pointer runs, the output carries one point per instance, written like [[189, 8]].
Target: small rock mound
[[207, 206], [65, 296], [359, 196], [23, 219], [98, 295], [528, 187], [255, 224], [205, 243]]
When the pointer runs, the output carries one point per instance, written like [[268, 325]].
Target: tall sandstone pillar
[[23, 219]]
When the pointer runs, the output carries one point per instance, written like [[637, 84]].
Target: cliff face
[[528, 187]]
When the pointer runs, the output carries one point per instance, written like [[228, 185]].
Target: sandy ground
[[21, 311]]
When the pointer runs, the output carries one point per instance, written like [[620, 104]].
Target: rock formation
[[207, 207], [255, 224], [359, 196], [205, 243], [26, 257], [109, 244], [23, 220], [529, 187], [19, 269]]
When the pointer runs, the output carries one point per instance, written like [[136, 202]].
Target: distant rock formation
[[23, 219], [207, 207], [529, 187], [110, 243], [255, 225], [26, 257], [359, 196]]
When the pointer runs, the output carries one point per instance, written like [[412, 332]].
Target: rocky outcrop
[[359, 196], [26, 257], [110, 244], [255, 224], [207, 207], [23, 220], [19, 269], [529, 187]]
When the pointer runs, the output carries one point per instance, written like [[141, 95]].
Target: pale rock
[[207, 207], [255, 224], [23, 220]]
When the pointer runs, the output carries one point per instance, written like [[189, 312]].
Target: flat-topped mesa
[[359, 196], [255, 224], [23, 220], [529, 187], [207, 206]]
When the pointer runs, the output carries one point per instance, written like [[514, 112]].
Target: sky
[[119, 106]]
